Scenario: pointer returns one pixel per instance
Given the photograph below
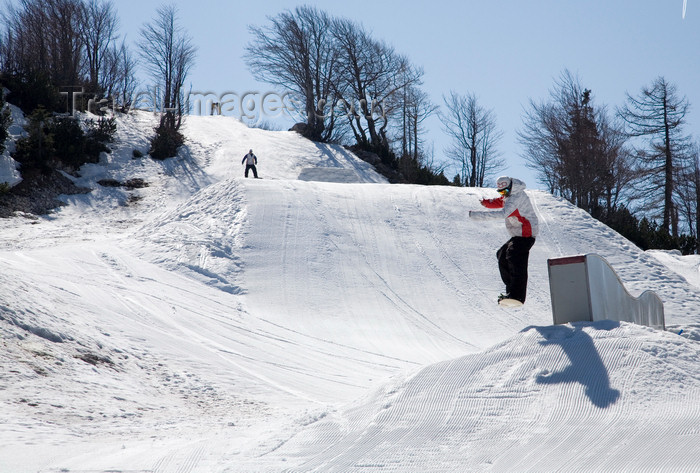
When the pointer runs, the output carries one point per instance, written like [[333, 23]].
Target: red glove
[[493, 203]]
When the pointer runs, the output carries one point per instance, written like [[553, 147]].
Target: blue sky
[[505, 52]]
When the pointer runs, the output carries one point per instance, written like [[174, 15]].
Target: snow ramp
[[603, 396]]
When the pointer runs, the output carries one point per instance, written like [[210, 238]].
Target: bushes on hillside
[[34, 151], [406, 170], [165, 142], [30, 90], [102, 130], [60, 142], [644, 233]]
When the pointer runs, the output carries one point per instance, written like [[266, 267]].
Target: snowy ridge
[[209, 323]]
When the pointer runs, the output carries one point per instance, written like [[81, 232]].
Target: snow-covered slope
[[555, 398], [319, 319]]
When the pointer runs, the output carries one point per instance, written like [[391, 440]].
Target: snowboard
[[510, 303]]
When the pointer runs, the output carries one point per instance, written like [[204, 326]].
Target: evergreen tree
[[575, 148], [34, 151]]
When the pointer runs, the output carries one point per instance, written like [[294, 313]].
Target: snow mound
[[585, 397], [200, 237]]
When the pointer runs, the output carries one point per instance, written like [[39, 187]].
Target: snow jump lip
[[586, 288]]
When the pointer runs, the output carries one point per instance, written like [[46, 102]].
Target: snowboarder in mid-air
[[521, 223], [250, 160]]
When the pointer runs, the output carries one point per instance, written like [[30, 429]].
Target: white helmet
[[504, 184]]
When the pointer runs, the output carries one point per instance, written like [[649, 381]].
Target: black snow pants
[[512, 263], [249, 167]]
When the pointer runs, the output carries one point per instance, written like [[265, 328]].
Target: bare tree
[[58, 43], [346, 81], [98, 32], [43, 37], [168, 54], [119, 76], [66, 45], [372, 74], [407, 110], [297, 52], [474, 136], [658, 115], [412, 107], [577, 151], [617, 173], [696, 186], [688, 190]]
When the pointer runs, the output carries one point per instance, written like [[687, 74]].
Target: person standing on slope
[[521, 223], [250, 160]]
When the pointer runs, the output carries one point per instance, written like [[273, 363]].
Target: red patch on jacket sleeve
[[527, 228], [493, 203]]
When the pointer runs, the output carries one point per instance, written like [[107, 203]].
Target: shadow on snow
[[586, 366]]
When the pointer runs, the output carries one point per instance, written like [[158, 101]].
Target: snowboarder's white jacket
[[521, 220], [250, 159]]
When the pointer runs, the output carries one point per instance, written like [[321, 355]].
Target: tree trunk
[[668, 183]]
